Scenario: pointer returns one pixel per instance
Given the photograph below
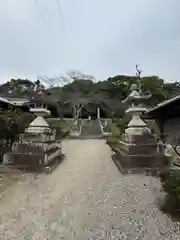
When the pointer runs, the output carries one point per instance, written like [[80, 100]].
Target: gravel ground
[[8, 177], [86, 197]]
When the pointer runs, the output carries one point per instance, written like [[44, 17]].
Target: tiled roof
[[165, 103], [4, 100]]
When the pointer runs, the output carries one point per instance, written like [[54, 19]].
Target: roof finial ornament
[[138, 74]]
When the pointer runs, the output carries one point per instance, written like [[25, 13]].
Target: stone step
[[91, 129]]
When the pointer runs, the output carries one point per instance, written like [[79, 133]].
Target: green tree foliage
[[13, 122], [78, 88]]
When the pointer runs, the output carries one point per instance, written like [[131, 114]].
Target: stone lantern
[[136, 102], [37, 149], [138, 147]]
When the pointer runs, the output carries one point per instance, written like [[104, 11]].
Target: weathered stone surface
[[91, 128], [130, 161], [34, 156], [134, 155], [140, 149], [145, 138]]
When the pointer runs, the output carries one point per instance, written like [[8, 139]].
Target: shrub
[[115, 130], [62, 128], [121, 125], [118, 127], [171, 185], [13, 123], [111, 141]]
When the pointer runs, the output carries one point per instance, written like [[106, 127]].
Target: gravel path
[[86, 197]]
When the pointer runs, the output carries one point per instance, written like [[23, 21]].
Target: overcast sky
[[98, 37]]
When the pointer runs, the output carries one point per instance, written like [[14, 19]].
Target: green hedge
[[171, 185]]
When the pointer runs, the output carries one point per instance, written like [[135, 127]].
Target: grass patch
[[115, 134], [62, 127], [121, 125], [111, 141]]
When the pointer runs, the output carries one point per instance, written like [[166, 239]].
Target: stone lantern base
[[141, 152]]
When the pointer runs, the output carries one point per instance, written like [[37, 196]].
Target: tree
[[52, 91], [70, 90], [76, 91], [13, 122], [77, 75]]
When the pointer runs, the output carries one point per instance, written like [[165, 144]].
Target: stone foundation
[[35, 156], [141, 156]]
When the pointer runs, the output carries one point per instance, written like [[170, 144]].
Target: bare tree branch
[[77, 75], [57, 81], [76, 99]]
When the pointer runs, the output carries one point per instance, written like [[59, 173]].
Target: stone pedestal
[[141, 152], [37, 148]]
